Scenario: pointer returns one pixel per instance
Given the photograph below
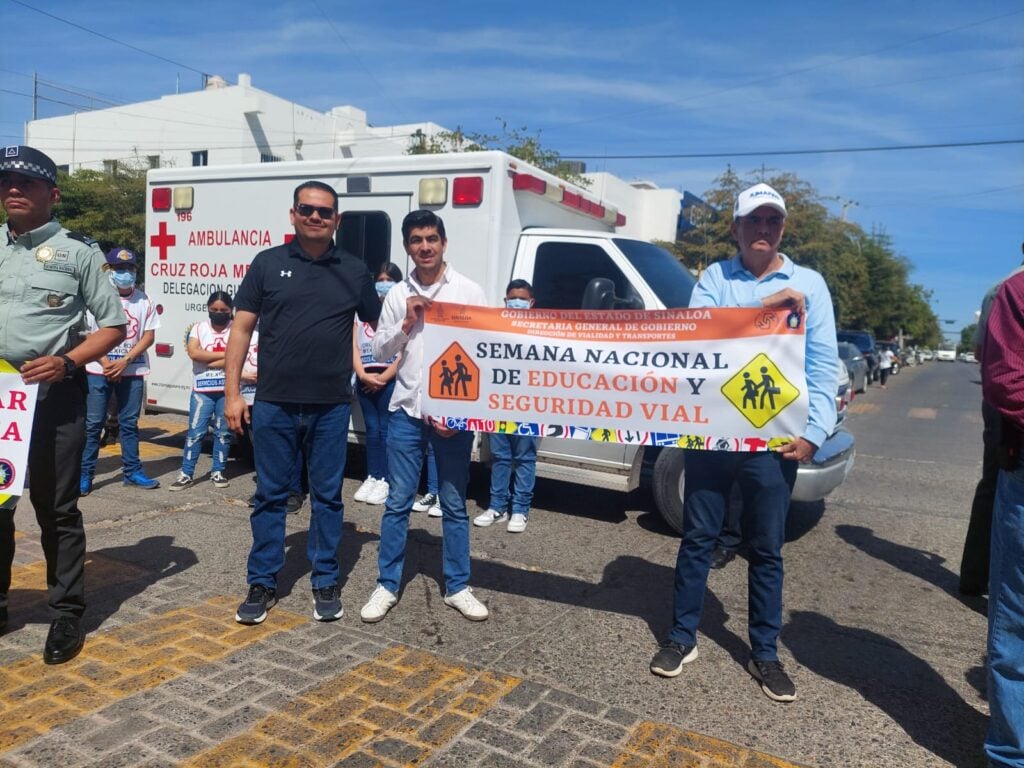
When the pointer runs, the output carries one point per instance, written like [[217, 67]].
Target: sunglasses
[[305, 210]]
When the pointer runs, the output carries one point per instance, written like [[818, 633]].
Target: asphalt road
[[887, 659]]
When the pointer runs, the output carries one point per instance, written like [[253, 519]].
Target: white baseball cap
[[752, 198]]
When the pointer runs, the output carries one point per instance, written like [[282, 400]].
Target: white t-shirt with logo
[[141, 316], [205, 378]]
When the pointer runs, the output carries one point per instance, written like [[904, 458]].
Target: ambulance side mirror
[[599, 294]]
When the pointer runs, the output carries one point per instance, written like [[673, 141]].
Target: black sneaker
[[254, 609], [327, 603], [669, 660], [294, 503], [183, 482], [425, 502], [773, 679]]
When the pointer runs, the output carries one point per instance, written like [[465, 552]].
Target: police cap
[[28, 162]]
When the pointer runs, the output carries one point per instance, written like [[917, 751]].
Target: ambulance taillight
[[468, 190], [161, 198]]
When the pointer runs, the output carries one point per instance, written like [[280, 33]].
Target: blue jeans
[[376, 417], [129, 405], [765, 481], [408, 439], [513, 454], [1004, 743], [281, 431], [431, 471], [202, 407]]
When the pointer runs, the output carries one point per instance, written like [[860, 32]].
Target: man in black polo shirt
[[305, 296]]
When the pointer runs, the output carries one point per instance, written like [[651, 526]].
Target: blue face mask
[[383, 286], [123, 279], [517, 303]]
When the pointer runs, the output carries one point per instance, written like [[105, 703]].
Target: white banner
[[723, 379], [17, 408]]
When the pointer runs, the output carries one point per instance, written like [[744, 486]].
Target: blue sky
[[600, 78]]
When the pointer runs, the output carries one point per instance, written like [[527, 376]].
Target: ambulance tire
[[667, 486]]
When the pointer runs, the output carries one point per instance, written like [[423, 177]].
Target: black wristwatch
[[69, 367]]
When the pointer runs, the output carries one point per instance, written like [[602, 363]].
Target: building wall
[[231, 123]]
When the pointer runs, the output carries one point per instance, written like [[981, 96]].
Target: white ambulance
[[578, 247]]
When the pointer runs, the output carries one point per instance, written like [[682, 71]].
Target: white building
[[219, 125]]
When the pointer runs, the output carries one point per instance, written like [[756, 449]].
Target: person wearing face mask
[[375, 383], [207, 343], [514, 456], [121, 371]]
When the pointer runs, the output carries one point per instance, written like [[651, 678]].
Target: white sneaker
[[467, 605], [489, 517], [379, 494], [425, 502], [381, 601], [364, 490], [517, 523], [435, 509]]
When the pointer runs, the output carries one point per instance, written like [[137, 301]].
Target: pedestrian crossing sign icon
[[454, 376], [759, 391]]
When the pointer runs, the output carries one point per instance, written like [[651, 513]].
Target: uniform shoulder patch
[[81, 238]]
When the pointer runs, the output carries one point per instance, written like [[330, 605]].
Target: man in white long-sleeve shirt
[[401, 330]]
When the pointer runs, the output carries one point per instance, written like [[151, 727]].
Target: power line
[[776, 152], [111, 39]]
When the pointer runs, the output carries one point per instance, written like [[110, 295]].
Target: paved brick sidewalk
[[170, 679], [186, 685]]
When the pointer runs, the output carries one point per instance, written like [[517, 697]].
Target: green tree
[[518, 142], [109, 208], [967, 337]]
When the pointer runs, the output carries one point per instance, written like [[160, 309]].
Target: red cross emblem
[[162, 240]]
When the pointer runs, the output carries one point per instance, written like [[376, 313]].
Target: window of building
[[367, 236], [201, 157], [153, 161]]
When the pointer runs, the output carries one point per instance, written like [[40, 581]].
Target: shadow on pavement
[[903, 686], [155, 558], [927, 566], [296, 561], [630, 586]]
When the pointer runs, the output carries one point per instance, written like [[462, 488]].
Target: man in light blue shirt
[[760, 276]]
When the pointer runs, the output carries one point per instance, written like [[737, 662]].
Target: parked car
[[856, 366], [865, 341]]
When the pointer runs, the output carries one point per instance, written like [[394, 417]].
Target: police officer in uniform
[[48, 278]]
